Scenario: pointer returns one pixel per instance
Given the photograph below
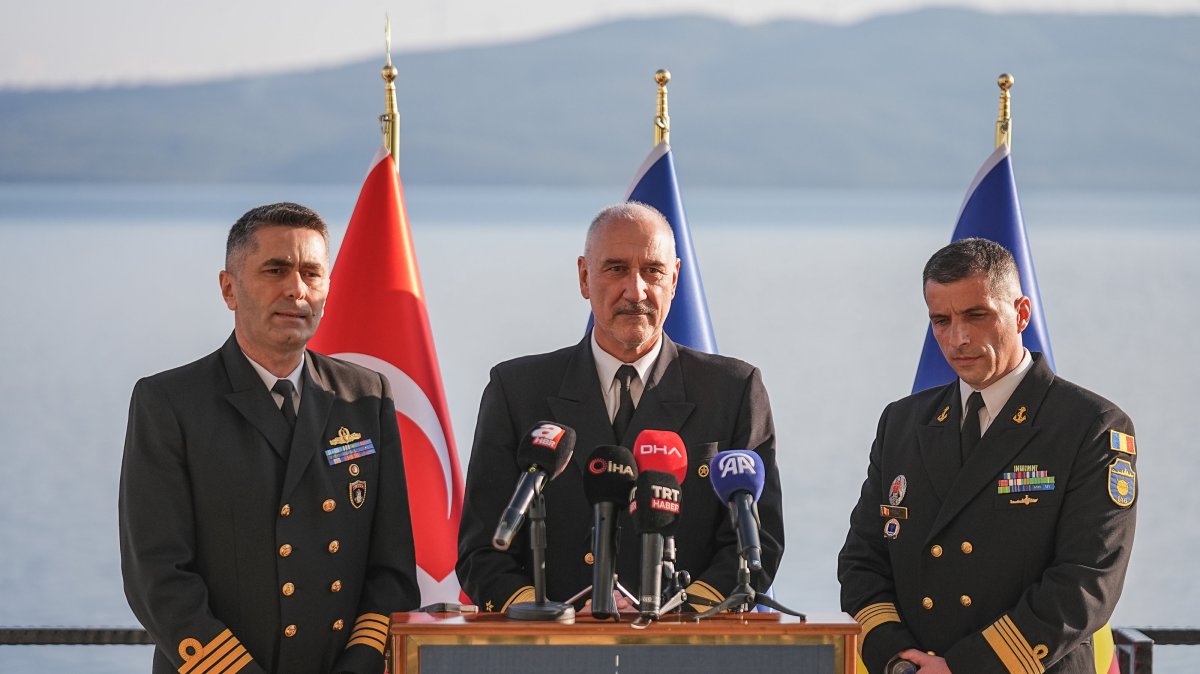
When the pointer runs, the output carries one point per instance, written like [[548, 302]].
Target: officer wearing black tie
[[996, 521], [623, 377], [263, 508]]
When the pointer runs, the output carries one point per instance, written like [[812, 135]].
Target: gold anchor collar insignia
[[1020, 416], [944, 415], [344, 437]]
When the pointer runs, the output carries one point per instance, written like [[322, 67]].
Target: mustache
[[636, 309]]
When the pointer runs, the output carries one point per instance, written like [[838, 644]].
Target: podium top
[[724, 623]]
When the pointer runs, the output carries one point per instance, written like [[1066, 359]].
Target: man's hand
[[926, 663], [620, 602]]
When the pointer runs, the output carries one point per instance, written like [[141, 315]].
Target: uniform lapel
[[316, 399], [1010, 432], [252, 399], [664, 404], [579, 403], [938, 440]]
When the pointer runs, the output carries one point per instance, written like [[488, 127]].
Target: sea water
[[820, 289]]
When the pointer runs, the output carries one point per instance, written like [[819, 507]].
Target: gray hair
[[283, 214], [968, 257], [629, 211]]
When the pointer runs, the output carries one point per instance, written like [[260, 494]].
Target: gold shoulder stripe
[[523, 594], [215, 656], [700, 588], [874, 615], [1012, 648]]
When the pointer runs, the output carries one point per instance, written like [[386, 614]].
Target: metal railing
[[1135, 645]]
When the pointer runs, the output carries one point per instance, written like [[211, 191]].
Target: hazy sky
[[74, 42]]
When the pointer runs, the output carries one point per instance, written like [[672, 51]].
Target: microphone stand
[[744, 596], [540, 608]]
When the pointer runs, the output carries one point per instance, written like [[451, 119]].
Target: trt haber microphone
[[738, 475], [543, 453], [657, 502], [662, 451], [608, 482]]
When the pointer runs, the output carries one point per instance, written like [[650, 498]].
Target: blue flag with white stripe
[[688, 323], [992, 211]]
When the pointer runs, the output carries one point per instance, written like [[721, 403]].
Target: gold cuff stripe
[[874, 615], [373, 617], [1012, 648], [363, 641], [379, 635], [213, 657], [226, 663], [524, 594], [237, 666]]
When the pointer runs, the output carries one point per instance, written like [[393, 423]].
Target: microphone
[[737, 475], [543, 453], [657, 509], [662, 451], [608, 482]]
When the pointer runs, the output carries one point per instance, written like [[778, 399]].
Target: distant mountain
[[898, 101]]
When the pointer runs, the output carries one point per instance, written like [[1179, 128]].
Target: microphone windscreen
[[548, 446], [735, 470], [657, 502], [610, 475], [662, 451]]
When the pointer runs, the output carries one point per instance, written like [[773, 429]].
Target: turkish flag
[[375, 316]]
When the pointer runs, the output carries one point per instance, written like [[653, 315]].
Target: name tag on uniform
[[349, 452]]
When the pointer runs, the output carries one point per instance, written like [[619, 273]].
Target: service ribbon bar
[[1025, 479], [349, 452]]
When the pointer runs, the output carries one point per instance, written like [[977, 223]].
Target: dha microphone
[[544, 452], [738, 475], [608, 482], [662, 451], [657, 509]]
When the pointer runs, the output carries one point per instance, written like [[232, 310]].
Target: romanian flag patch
[[1120, 442]]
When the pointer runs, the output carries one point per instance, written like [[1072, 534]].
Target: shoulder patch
[[1121, 442], [1122, 483]]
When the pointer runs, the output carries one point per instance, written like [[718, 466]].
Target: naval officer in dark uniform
[[997, 517], [263, 510], [628, 273]]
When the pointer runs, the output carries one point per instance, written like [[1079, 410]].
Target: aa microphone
[[656, 511], [608, 482], [737, 475], [543, 453], [662, 451]]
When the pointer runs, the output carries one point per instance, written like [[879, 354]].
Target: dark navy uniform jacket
[[242, 553], [712, 402], [1008, 563]]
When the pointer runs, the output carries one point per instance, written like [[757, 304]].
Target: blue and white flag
[[992, 211], [654, 184]]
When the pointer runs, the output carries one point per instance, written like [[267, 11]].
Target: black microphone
[[738, 475], [656, 504], [544, 452], [608, 482]]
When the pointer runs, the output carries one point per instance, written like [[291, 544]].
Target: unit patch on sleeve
[[1122, 482]]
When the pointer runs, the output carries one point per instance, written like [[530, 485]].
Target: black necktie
[[970, 429], [284, 388], [625, 375]]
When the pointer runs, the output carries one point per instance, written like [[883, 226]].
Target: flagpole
[[662, 122], [389, 121], [1004, 120]]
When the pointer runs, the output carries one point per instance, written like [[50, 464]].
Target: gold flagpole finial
[[389, 121], [662, 122], [1004, 121]]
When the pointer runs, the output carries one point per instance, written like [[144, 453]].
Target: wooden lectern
[[763, 643]]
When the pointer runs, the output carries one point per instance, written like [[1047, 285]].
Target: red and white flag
[[375, 316]]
